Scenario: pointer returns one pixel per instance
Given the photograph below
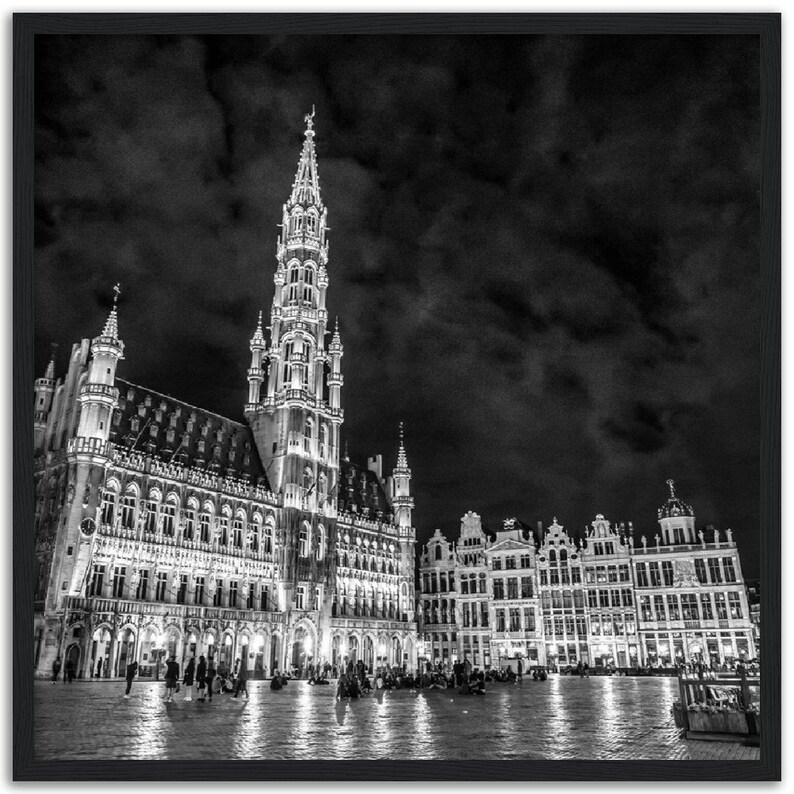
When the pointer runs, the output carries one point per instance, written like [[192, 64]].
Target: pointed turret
[[98, 395], [44, 389], [255, 372]]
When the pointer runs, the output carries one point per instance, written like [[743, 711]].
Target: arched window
[[294, 279], [552, 557], [563, 557], [320, 542], [237, 530], [267, 539], [438, 552], [189, 525], [223, 526], [311, 223], [323, 439], [303, 541], [308, 436], [308, 285], [169, 516], [296, 221], [109, 496], [205, 522], [255, 533], [307, 480]]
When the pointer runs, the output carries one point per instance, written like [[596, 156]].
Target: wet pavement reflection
[[562, 718]]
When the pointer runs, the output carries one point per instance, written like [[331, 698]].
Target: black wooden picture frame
[[26, 26]]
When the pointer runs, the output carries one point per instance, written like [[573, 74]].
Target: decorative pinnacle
[[50, 373], [347, 456], [335, 340], [258, 338], [671, 485], [111, 328], [402, 458], [309, 119]]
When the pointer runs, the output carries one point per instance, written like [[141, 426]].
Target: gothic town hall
[[162, 528]]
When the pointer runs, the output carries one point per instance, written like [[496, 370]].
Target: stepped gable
[[171, 430], [360, 491]]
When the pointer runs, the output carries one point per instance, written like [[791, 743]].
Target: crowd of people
[[202, 679]]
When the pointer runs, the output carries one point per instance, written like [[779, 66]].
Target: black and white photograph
[[397, 397]]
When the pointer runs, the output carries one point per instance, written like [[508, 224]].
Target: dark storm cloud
[[544, 251]]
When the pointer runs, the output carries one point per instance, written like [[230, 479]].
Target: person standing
[[56, 668], [171, 677], [69, 670], [132, 671], [99, 668], [520, 673], [190, 672], [242, 677], [210, 677], [201, 679]]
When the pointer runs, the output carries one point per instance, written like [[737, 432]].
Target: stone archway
[[125, 650], [100, 651]]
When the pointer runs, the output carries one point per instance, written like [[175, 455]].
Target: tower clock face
[[87, 526]]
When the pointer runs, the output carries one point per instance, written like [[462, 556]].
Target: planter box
[[722, 722]]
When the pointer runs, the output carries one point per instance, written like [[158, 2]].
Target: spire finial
[[111, 328], [258, 338], [347, 456], [50, 373], [402, 458], [306, 187], [671, 486]]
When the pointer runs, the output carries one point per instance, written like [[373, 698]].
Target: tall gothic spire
[[306, 187]]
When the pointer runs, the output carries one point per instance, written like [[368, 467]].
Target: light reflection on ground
[[564, 717]]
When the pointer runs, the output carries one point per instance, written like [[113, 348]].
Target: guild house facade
[[162, 528], [554, 601]]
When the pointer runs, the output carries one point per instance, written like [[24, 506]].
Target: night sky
[[544, 251]]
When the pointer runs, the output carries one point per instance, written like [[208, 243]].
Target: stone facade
[[162, 528], [606, 601]]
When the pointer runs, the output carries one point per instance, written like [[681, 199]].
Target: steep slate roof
[[360, 487], [173, 430]]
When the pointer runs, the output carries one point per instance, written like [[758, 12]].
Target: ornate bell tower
[[296, 421]]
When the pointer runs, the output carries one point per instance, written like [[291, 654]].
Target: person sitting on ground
[[275, 681], [464, 688], [366, 687]]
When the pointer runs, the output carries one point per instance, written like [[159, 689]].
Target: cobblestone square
[[601, 718]]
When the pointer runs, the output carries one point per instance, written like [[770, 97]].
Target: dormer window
[[135, 423]]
